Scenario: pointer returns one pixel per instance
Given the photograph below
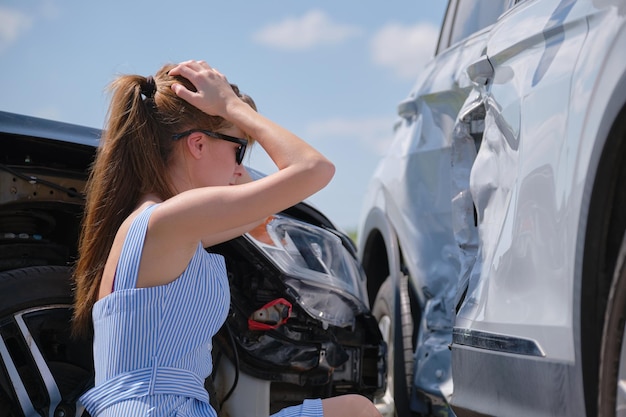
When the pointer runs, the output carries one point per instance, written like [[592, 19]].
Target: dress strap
[[128, 264]]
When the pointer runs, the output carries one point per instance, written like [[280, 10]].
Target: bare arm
[[238, 231]]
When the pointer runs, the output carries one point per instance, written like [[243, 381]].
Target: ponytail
[[131, 162]]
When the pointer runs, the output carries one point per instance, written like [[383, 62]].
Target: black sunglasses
[[241, 150]]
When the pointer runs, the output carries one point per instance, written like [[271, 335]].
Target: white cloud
[[312, 29], [374, 133], [12, 25], [404, 49]]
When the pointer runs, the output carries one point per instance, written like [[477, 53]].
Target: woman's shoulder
[[133, 217]]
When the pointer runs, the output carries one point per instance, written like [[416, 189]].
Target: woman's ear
[[196, 144]]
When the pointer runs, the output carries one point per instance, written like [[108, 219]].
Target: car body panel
[[521, 181], [416, 205], [527, 186], [532, 200], [33, 127]]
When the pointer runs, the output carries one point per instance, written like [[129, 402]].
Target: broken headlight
[[326, 279]]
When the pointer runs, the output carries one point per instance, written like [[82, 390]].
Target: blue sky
[[332, 71]]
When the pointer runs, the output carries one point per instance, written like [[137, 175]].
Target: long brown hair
[[131, 161]]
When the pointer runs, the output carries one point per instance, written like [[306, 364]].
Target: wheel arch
[[379, 252], [604, 224]]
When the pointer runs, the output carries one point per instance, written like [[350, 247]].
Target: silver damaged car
[[493, 231]]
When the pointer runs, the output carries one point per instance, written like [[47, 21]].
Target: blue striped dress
[[152, 346]]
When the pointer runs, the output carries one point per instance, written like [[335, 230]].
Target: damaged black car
[[299, 325]]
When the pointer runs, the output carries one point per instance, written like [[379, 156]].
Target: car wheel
[[44, 369], [398, 339], [612, 385]]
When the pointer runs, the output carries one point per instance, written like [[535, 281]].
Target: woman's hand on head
[[214, 92]]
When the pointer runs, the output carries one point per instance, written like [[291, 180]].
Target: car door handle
[[481, 71]]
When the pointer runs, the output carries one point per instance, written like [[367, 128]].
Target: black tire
[[612, 351], [42, 366], [399, 340], [32, 286]]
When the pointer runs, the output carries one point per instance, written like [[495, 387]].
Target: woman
[[168, 182]]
